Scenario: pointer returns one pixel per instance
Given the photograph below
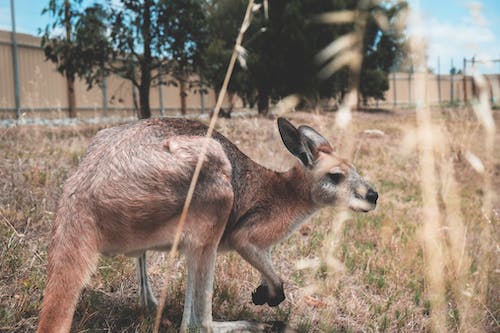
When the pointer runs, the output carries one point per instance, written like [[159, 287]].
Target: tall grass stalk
[[201, 157], [345, 51], [482, 109], [431, 225], [444, 232], [459, 260]]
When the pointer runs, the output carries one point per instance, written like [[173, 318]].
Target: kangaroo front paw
[[276, 299], [260, 295]]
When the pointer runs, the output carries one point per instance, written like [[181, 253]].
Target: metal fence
[[451, 89], [32, 87], [36, 89]]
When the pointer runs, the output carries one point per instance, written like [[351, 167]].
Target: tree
[[383, 47], [185, 36], [223, 23], [285, 64], [137, 40], [61, 52], [281, 50]]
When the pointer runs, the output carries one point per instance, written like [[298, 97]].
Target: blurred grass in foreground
[[375, 279]]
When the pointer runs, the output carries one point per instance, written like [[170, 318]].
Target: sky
[[454, 29], [459, 29]]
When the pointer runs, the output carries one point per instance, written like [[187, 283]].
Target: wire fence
[[31, 87], [450, 89]]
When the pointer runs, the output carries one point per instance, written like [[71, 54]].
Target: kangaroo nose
[[371, 196]]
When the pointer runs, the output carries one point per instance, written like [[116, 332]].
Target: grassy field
[[357, 273]]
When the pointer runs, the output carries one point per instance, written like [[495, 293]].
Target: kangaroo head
[[334, 181]]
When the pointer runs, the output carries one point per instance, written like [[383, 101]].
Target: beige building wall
[[43, 89], [6, 77], [440, 89]]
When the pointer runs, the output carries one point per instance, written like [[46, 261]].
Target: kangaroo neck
[[289, 190], [271, 206], [294, 200]]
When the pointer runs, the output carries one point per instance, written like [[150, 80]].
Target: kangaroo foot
[[262, 295]]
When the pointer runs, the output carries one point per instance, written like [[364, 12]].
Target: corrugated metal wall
[[6, 76], [440, 89], [42, 88]]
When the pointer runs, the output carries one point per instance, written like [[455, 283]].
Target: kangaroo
[[128, 192]]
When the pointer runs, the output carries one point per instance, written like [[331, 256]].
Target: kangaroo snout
[[364, 197], [371, 196]]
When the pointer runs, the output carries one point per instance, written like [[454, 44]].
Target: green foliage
[[223, 22], [185, 33], [137, 40], [382, 49], [374, 83], [281, 50], [281, 61], [184, 37], [81, 48]]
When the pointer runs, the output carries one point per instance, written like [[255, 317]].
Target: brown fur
[[128, 192]]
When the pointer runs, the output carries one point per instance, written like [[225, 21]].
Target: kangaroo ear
[[315, 141], [294, 142]]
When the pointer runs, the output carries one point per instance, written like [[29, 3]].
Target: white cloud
[[462, 40], [467, 37]]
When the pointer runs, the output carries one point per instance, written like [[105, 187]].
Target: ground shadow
[[375, 110]]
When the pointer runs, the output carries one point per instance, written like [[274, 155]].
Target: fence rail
[[41, 88], [32, 86]]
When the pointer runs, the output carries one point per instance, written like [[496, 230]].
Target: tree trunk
[[183, 94], [144, 111], [71, 96], [70, 78], [145, 64], [263, 103]]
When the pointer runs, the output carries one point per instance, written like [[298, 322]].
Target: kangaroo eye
[[336, 177]]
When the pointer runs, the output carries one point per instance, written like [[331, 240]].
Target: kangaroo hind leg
[[199, 291], [71, 260], [146, 298]]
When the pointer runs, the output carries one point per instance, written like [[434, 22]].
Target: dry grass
[[374, 282]]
